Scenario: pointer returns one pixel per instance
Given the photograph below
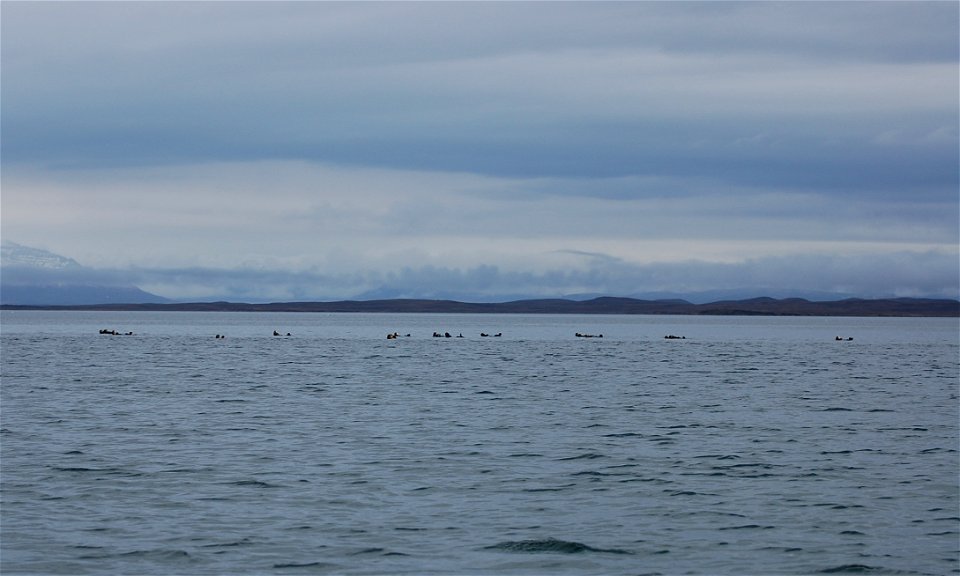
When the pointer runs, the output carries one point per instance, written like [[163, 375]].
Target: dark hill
[[603, 305]]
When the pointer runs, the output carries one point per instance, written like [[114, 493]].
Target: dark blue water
[[753, 446]]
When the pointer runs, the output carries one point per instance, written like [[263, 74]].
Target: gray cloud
[[379, 142], [910, 275], [569, 89]]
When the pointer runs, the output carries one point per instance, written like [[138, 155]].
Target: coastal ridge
[[905, 307]]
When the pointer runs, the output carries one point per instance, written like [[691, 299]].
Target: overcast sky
[[315, 150]]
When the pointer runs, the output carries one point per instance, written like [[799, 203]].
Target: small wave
[[184, 470], [687, 493], [303, 565], [661, 440], [787, 549], [254, 483], [242, 542], [95, 556], [851, 569], [156, 554], [587, 456], [704, 474], [551, 489], [380, 551], [110, 471], [550, 545], [745, 465], [709, 513], [835, 505], [655, 480]]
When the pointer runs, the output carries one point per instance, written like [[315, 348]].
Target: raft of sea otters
[[395, 335]]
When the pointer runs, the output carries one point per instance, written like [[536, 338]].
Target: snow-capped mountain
[[13, 254], [35, 277]]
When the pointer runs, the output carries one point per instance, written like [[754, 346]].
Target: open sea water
[[754, 445]]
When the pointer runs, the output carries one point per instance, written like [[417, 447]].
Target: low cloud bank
[[816, 277], [931, 274]]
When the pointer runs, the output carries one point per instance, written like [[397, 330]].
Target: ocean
[[745, 445]]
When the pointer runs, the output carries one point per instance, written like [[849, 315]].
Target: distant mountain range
[[72, 294], [916, 307], [35, 278]]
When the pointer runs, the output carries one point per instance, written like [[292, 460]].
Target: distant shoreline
[[889, 307]]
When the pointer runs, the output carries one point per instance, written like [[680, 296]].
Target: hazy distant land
[[913, 307]]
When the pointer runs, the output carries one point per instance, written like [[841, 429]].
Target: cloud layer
[[338, 150]]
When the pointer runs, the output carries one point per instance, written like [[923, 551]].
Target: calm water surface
[[752, 446]]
